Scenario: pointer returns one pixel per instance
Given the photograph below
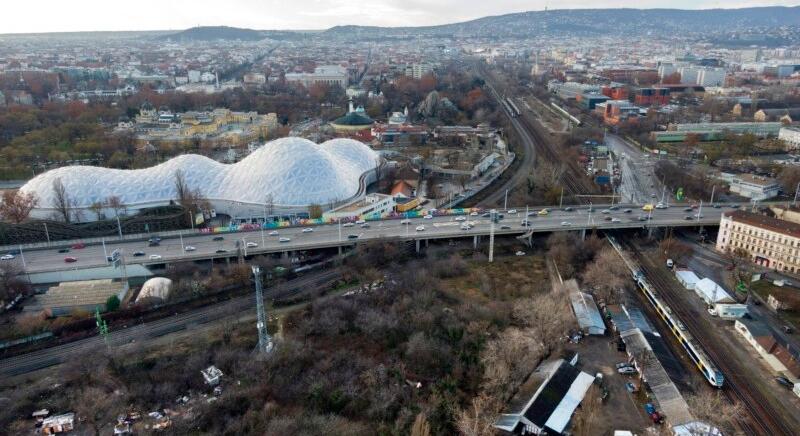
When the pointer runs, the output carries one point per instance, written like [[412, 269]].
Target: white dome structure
[[288, 172], [157, 287]]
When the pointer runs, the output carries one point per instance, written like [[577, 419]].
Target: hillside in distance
[[589, 22], [212, 33]]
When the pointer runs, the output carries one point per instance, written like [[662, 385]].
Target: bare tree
[[588, 416], [115, 203], [712, 407], [62, 201], [477, 419], [420, 426], [606, 275], [269, 204], [182, 189], [97, 208], [16, 206]]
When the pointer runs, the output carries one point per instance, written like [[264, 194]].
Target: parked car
[[189, 248], [630, 387], [624, 365], [70, 259], [785, 382], [628, 370], [155, 257], [787, 329], [78, 246]]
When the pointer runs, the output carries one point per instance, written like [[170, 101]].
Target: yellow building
[[770, 242]]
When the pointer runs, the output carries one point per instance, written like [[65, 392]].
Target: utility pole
[[796, 191], [265, 344], [561, 199], [102, 326], [492, 219], [714, 188], [505, 202]]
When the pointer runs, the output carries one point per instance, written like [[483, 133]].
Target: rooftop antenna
[[265, 343]]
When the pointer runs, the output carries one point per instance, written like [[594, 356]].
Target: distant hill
[[212, 33], [588, 22]]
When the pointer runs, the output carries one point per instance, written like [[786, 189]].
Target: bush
[[112, 303]]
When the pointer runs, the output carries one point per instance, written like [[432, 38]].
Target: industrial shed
[[589, 318], [688, 279], [711, 292]]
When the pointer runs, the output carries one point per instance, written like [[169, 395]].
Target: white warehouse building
[[285, 175]]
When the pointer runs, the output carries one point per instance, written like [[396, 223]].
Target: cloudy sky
[[24, 16]]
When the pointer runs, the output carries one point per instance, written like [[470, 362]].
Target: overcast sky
[[26, 16]]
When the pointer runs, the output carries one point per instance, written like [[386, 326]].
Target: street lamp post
[[183, 247], [119, 227], [714, 188], [796, 191], [505, 202], [47, 234]]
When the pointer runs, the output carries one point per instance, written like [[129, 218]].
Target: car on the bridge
[[465, 226], [543, 212], [153, 244], [365, 226], [698, 215], [487, 215], [614, 207], [7, 257], [688, 209], [220, 251], [647, 207], [273, 233], [420, 228], [688, 217], [78, 246], [155, 257], [360, 222], [525, 223], [70, 259], [734, 206], [189, 248], [428, 217], [473, 214], [405, 221], [565, 223], [511, 211], [605, 211], [284, 240], [661, 205], [63, 250], [138, 253], [615, 220], [717, 206], [352, 236], [460, 218], [608, 218], [568, 209], [627, 211], [251, 245], [505, 227], [219, 238], [348, 225], [308, 230]]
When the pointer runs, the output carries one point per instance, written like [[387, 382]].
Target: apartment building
[[771, 242]]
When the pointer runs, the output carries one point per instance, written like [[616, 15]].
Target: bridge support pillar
[[426, 243], [417, 244], [340, 250], [228, 261], [583, 234], [475, 242], [650, 232]]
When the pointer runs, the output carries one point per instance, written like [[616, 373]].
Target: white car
[[284, 240], [308, 230], [405, 221], [627, 370], [461, 218], [520, 253], [428, 217], [565, 223], [273, 233], [189, 248], [252, 245], [420, 228], [7, 257], [348, 225], [155, 257], [615, 220], [465, 226], [360, 222], [473, 214], [605, 211], [512, 211]]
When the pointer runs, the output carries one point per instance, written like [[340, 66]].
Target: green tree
[[112, 303]]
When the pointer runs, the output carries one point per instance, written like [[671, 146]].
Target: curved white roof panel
[[294, 171]]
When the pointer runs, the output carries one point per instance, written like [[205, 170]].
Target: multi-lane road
[[209, 246]]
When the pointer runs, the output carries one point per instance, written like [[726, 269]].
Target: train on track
[[707, 368], [511, 107]]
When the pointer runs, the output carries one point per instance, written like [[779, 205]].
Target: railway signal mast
[[265, 344]]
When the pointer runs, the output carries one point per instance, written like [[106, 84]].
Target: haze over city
[[328, 217]]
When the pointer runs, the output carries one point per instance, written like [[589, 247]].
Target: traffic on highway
[[220, 245]]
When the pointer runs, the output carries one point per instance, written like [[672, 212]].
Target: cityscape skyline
[[48, 17]]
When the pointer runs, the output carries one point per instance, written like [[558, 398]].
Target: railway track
[[47, 357], [764, 420]]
